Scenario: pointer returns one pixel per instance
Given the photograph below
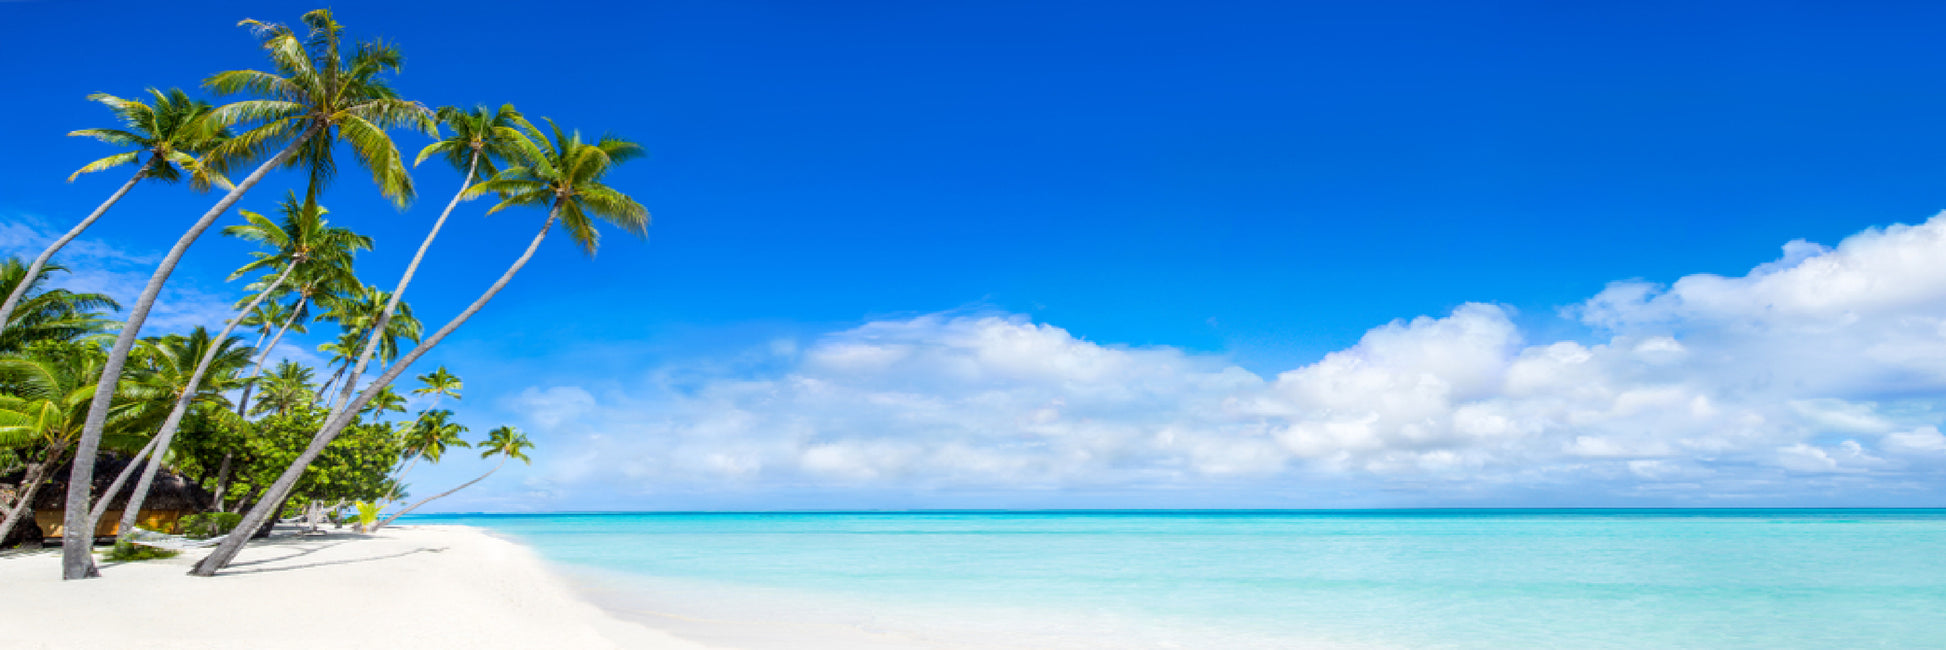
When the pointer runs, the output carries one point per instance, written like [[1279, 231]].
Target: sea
[[1461, 579]]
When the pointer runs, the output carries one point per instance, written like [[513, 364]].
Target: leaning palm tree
[[167, 139], [563, 175], [304, 242], [316, 98], [216, 363], [506, 442], [428, 438], [386, 401], [48, 314], [480, 138]]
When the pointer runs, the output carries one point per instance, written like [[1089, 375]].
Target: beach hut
[[171, 498]]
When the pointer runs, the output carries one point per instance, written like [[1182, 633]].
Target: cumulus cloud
[[1818, 373]]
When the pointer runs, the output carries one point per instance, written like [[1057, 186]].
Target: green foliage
[[126, 552], [354, 467], [368, 513], [209, 524]]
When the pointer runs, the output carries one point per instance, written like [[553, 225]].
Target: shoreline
[[416, 585]]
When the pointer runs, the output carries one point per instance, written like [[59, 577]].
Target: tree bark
[[77, 546], [101, 504], [462, 486], [169, 426], [36, 475], [222, 481], [228, 550], [398, 293], [40, 262]]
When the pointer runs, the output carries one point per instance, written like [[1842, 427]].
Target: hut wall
[[51, 521]]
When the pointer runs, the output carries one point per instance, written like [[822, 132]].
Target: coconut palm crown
[[173, 131], [316, 85], [563, 174]]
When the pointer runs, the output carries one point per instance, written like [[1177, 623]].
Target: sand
[[418, 587]]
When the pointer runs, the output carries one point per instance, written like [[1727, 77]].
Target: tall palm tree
[[48, 314], [505, 442], [315, 98], [216, 363], [563, 175], [303, 243], [49, 408], [166, 139], [429, 437], [480, 138]]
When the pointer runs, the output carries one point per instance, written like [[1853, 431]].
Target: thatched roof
[[169, 492]]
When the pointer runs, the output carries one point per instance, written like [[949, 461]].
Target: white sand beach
[[418, 587]]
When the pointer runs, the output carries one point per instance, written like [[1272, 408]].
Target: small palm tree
[[505, 442], [167, 139], [287, 388], [481, 137], [358, 314], [428, 438], [565, 176], [439, 383], [46, 315], [387, 401]]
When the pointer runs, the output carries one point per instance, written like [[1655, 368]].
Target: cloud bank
[[1815, 378]]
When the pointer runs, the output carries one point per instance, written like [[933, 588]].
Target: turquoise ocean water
[[1335, 579]]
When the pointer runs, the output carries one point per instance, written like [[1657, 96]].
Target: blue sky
[[1247, 185]]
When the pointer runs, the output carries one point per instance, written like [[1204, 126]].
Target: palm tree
[[480, 137], [50, 314], [429, 437], [218, 360], [315, 98], [302, 242], [167, 139], [387, 401], [50, 408], [289, 387], [358, 313], [439, 383], [506, 442], [563, 175]]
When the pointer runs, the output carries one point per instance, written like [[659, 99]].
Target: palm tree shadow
[[307, 545], [313, 565]]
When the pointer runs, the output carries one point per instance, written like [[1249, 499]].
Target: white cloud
[[1828, 362], [95, 266]]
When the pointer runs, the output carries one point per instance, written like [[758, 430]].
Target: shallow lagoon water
[[1458, 579]]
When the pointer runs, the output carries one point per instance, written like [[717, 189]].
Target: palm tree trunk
[[174, 421], [243, 403], [222, 482], [398, 293], [326, 388], [462, 486], [77, 541], [34, 269], [101, 504], [228, 550], [23, 507]]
